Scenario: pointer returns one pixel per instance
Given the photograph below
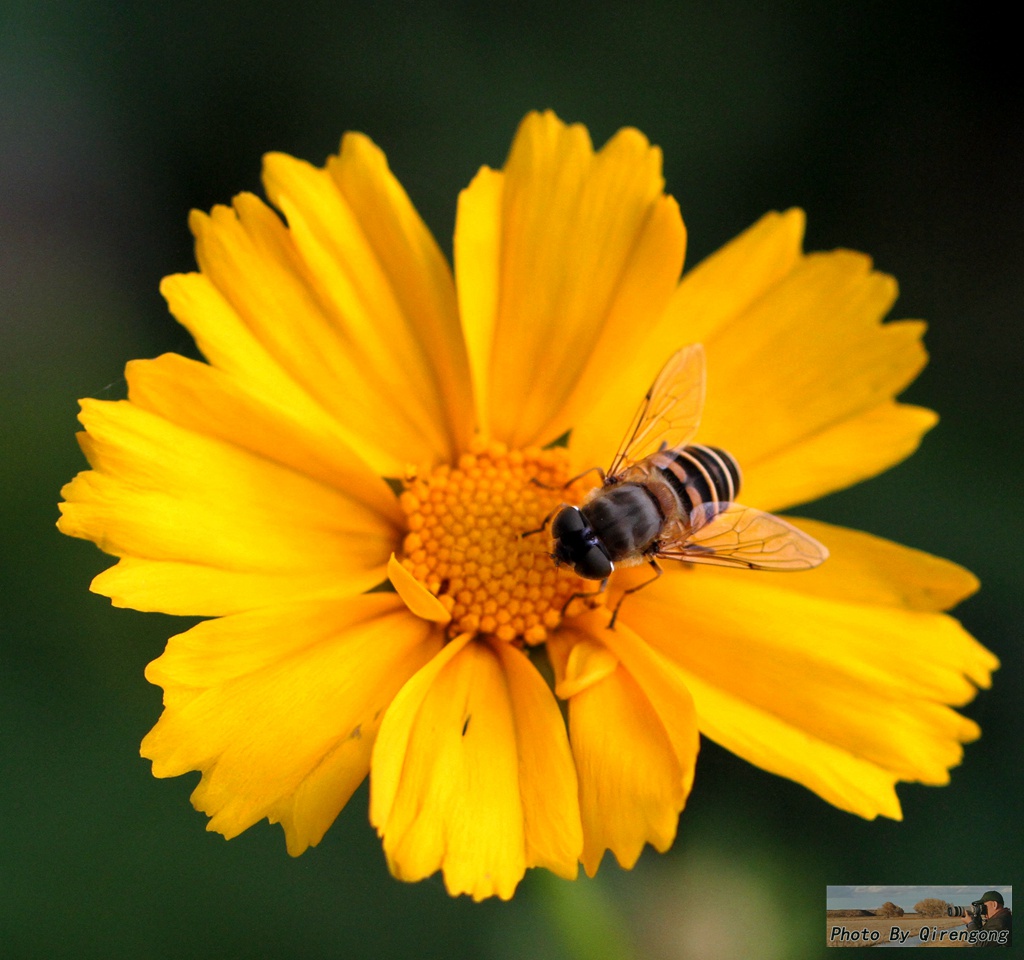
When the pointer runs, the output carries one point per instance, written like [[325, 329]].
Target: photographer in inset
[[989, 915]]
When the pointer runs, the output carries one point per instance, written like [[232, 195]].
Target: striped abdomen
[[699, 474]]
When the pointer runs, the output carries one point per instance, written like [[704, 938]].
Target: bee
[[664, 498]]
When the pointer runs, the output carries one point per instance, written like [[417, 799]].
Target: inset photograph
[[918, 916]]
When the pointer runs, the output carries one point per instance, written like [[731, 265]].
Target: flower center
[[466, 543]]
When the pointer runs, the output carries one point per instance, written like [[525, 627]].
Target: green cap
[[990, 895]]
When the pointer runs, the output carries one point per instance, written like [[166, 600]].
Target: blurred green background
[[897, 126]]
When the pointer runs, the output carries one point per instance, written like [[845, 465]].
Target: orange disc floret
[[465, 541]]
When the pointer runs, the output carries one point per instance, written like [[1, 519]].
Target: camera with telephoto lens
[[976, 909]]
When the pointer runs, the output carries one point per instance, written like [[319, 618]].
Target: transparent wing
[[731, 535], [670, 411]]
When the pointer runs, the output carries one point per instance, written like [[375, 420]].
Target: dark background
[[898, 130]]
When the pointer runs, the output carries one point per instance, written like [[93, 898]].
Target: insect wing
[[731, 535], [670, 412]]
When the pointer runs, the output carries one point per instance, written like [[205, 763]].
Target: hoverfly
[[664, 498]]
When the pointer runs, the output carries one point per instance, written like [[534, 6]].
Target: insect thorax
[[626, 517]]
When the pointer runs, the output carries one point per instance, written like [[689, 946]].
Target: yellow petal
[[587, 247], [255, 283], [801, 372], [388, 765], [416, 597], [224, 339], [383, 281], [444, 787], [634, 736], [836, 773], [453, 774], [716, 291], [206, 400], [249, 262], [477, 254], [278, 708], [547, 774], [813, 352], [198, 589], [845, 697], [841, 454], [588, 663], [164, 493], [862, 568], [728, 283]]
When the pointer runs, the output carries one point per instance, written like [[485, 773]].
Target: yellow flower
[[345, 362]]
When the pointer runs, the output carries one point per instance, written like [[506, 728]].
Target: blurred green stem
[[586, 917]]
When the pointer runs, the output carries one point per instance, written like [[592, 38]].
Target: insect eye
[[594, 564], [567, 522]]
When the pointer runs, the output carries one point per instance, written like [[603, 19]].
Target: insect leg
[[625, 593], [583, 594]]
